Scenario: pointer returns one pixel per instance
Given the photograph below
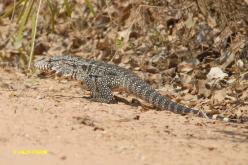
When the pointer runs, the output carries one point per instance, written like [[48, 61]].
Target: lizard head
[[43, 63]]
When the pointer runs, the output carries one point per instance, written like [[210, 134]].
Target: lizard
[[101, 78]]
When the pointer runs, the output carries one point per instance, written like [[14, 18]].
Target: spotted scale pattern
[[102, 77]]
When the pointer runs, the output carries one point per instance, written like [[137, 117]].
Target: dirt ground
[[49, 121]]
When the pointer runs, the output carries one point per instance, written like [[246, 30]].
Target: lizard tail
[[165, 103], [142, 89]]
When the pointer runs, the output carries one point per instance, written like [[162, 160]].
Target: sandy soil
[[54, 116]]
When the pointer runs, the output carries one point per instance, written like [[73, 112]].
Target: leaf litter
[[198, 50]]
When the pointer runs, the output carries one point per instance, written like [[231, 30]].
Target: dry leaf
[[185, 67], [201, 88], [218, 97], [216, 73]]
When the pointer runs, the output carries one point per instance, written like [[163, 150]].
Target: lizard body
[[101, 78]]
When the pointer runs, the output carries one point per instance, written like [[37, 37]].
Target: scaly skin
[[102, 77]]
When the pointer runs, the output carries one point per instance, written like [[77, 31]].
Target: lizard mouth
[[42, 63]]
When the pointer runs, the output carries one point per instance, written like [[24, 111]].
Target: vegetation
[[198, 46], [29, 10]]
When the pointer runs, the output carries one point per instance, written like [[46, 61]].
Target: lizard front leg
[[100, 89]]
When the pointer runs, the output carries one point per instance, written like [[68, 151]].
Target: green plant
[[29, 10]]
